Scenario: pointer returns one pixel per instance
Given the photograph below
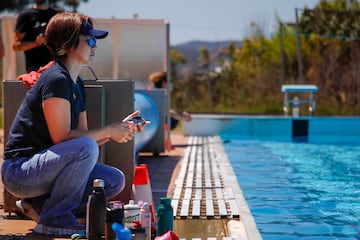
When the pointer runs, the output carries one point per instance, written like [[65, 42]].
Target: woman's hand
[[125, 130], [121, 132]]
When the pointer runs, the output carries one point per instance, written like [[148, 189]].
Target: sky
[[208, 20]]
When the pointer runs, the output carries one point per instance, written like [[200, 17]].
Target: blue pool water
[[299, 190]]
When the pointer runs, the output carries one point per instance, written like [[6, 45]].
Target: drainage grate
[[200, 191]]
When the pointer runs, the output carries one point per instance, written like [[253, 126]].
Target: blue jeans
[[62, 176]]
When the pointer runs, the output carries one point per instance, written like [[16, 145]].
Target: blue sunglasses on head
[[91, 42]]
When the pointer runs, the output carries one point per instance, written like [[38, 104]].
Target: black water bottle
[[96, 212]]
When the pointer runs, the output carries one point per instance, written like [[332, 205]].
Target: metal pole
[[298, 47], [169, 87], [282, 55]]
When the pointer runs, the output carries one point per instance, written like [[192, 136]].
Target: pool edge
[[246, 218]]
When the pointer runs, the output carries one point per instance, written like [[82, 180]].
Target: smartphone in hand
[[138, 120]]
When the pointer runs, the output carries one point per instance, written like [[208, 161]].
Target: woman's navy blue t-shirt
[[29, 133]]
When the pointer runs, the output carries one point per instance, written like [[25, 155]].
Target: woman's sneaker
[[27, 209], [60, 232]]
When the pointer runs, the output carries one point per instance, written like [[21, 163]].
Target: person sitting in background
[[159, 80], [50, 159], [29, 35]]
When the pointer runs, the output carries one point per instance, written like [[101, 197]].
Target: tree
[[332, 19], [179, 89], [331, 33], [204, 61]]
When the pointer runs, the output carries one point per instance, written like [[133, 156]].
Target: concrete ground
[[161, 171]]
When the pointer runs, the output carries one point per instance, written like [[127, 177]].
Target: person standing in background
[[29, 34]]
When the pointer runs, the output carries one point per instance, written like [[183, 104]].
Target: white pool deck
[[207, 188]]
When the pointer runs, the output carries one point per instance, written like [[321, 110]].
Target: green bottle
[[165, 217]]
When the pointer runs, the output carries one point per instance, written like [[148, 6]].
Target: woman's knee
[[117, 183], [89, 148], [119, 178]]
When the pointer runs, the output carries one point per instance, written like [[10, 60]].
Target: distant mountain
[[190, 51], [211, 46]]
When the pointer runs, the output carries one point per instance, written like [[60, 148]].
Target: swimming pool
[[300, 129], [299, 190]]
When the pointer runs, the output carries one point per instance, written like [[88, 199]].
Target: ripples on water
[[300, 190]]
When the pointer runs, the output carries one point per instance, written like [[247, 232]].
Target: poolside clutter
[[169, 235], [164, 217], [142, 188], [163, 171]]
